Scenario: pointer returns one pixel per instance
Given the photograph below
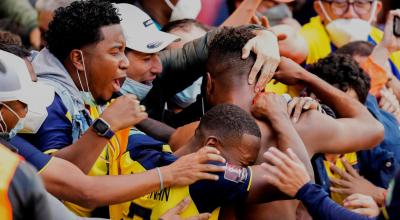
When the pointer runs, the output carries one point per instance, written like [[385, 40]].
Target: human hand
[[265, 46], [267, 105], [263, 21], [193, 167], [352, 183], [124, 112], [35, 38], [388, 101], [298, 104], [362, 204], [390, 41], [174, 213], [285, 171], [289, 72]]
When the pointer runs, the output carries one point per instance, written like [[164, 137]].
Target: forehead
[[111, 36]]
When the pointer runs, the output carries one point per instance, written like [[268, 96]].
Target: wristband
[[161, 178]]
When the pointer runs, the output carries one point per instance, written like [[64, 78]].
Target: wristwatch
[[102, 128]]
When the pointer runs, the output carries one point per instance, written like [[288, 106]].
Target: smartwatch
[[102, 128]]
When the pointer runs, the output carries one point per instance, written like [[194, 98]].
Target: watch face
[[100, 126]]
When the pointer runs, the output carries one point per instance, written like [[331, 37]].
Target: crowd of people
[[140, 109]]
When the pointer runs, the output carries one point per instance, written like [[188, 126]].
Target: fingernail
[[257, 90], [294, 119]]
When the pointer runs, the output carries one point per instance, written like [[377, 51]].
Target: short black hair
[[224, 56], [229, 123], [185, 24], [78, 25], [343, 72], [16, 50], [360, 48]]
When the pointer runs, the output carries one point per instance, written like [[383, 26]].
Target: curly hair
[[78, 25], [224, 61], [343, 72], [228, 122]]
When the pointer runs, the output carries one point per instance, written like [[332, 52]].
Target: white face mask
[[18, 127], [343, 31], [184, 9], [131, 86], [34, 120]]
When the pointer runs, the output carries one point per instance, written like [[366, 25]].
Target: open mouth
[[117, 84]]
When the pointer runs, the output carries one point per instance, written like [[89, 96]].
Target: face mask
[[34, 120], [184, 9], [189, 95], [343, 31], [136, 88], [277, 13], [18, 127]]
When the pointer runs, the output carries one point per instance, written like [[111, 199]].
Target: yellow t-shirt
[[352, 159]]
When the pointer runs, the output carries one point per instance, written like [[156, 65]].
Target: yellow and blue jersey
[[320, 46], [145, 153], [56, 133]]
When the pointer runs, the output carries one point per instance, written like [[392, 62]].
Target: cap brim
[[150, 41], [37, 96]]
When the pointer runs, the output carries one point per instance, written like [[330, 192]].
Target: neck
[[241, 96]]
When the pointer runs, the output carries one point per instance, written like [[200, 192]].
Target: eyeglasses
[[340, 7]]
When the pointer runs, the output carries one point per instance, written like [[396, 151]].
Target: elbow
[[87, 198]]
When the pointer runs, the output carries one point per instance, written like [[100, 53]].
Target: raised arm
[[355, 129], [272, 109], [89, 191], [188, 64]]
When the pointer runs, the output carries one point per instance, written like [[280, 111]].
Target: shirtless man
[[355, 128]]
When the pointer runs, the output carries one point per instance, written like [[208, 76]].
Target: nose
[[156, 67], [124, 64]]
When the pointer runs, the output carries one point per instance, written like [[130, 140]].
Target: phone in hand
[[396, 26]]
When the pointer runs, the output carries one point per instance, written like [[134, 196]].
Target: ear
[[378, 9], [76, 59], [317, 8], [213, 141], [210, 85]]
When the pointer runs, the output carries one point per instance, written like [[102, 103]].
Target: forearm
[[84, 152], [156, 129], [320, 206], [95, 191], [380, 55], [242, 15]]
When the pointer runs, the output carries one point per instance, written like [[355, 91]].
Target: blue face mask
[[189, 95], [18, 127], [131, 86]]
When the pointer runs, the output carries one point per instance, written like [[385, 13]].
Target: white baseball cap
[[141, 34], [16, 83]]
